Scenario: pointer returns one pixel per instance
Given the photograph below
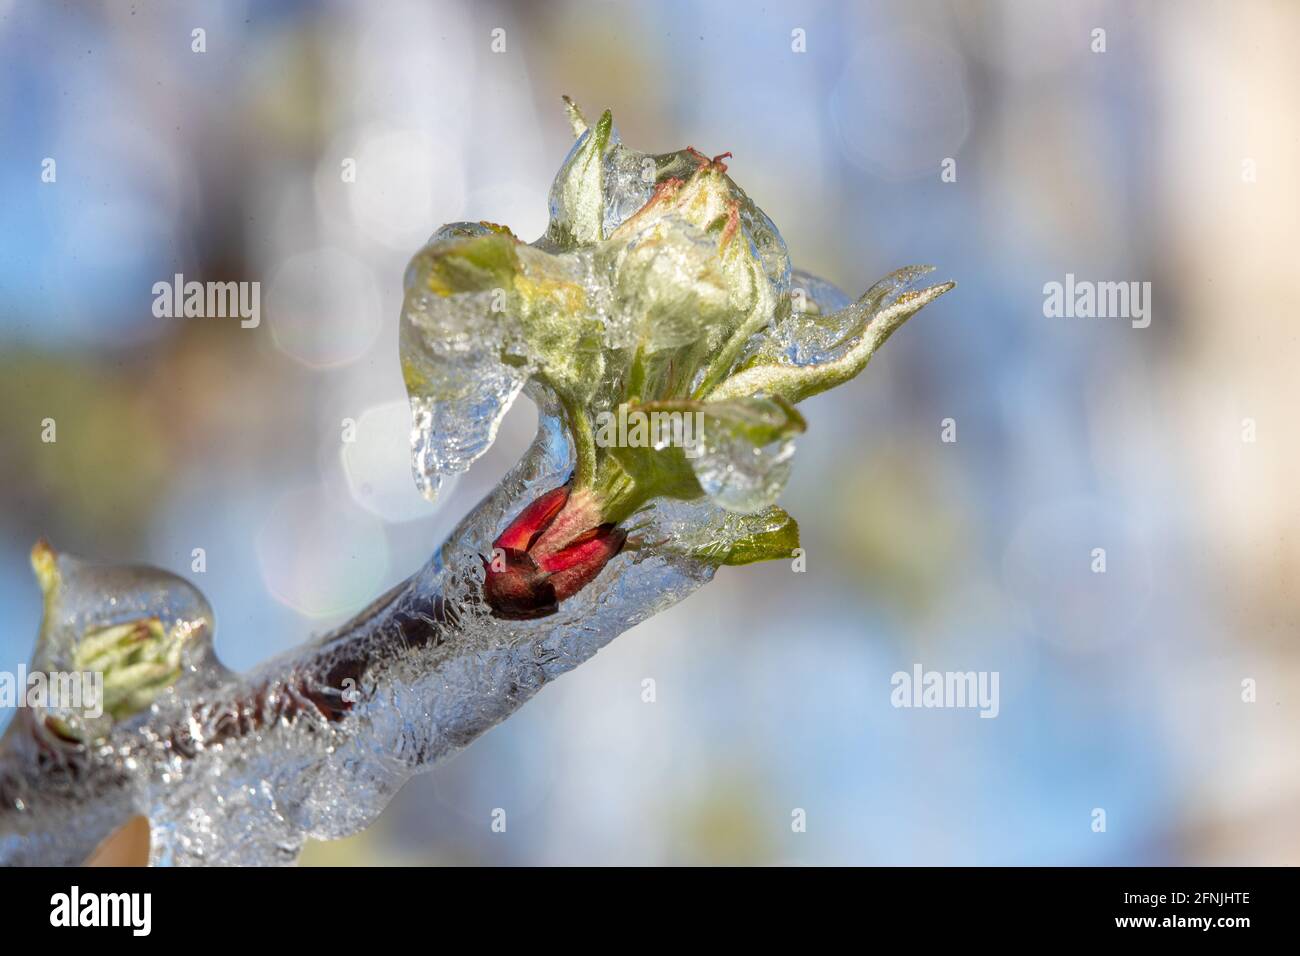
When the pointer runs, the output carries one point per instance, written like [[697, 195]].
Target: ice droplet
[[737, 472], [819, 296]]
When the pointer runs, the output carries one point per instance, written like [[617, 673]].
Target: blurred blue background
[[1167, 158]]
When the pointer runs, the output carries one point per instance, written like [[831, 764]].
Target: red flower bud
[[548, 553], [533, 520]]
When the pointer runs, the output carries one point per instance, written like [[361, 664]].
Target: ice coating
[[829, 323], [745, 453], [659, 286], [148, 633], [459, 385], [242, 769], [657, 280], [629, 178], [654, 257]]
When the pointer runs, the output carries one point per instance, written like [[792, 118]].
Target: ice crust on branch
[[658, 286]]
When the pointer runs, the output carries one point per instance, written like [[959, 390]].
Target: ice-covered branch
[[664, 337], [240, 769]]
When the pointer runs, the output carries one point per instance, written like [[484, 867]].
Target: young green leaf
[[842, 342]]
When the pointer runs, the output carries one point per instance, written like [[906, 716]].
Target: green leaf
[[859, 331], [745, 539]]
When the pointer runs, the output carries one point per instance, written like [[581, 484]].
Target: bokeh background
[[1170, 158]]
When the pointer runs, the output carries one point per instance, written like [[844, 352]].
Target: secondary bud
[[548, 553]]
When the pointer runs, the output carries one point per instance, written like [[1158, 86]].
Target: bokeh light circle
[[323, 308], [321, 556], [901, 105], [407, 184], [377, 463]]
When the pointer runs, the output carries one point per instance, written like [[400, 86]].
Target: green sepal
[[770, 535], [577, 195]]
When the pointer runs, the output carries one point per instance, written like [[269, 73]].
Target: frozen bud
[[545, 556], [658, 287]]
